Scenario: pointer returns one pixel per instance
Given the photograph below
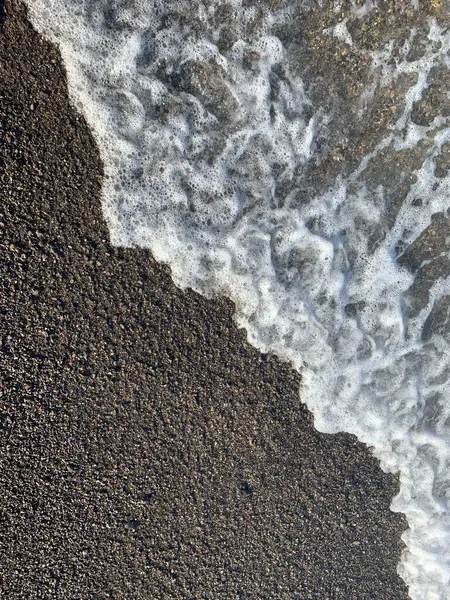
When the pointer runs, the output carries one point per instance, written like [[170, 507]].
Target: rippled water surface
[[295, 156]]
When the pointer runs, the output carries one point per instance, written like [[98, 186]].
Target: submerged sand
[[146, 450]]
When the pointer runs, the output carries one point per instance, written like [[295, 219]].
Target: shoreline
[[148, 451]]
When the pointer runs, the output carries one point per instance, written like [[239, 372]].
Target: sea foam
[[316, 202]]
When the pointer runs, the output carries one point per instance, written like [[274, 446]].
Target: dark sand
[[147, 451]]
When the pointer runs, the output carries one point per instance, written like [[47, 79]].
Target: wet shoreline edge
[[147, 449]]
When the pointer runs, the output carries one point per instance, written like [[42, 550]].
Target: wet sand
[[147, 451]]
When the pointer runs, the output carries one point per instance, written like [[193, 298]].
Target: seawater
[[295, 157]]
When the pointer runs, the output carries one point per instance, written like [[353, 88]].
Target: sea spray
[[295, 157]]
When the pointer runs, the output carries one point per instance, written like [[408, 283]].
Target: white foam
[[198, 136]]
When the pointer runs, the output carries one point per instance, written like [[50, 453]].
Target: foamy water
[[294, 156]]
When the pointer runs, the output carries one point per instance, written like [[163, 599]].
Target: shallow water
[[295, 156]]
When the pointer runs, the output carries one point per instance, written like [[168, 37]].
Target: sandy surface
[[146, 450]]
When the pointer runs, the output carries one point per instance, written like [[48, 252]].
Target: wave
[[295, 157]]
